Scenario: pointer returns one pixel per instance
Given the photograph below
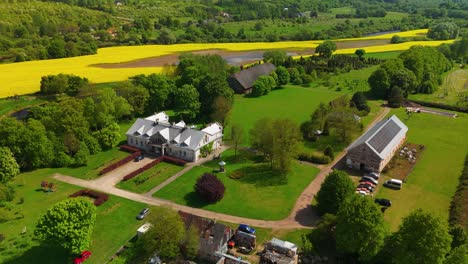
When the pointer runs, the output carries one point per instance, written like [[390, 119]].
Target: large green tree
[[343, 123], [186, 100], [68, 224], [283, 75], [360, 227], [159, 87], [263, 85], [421, 238], [9, 168], [137, 96], [261, 137], [165, 235], [336, 188], [285, 143], [326, 49]]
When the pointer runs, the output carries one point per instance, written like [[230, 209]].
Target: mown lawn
[[259, 194], [293, 102], [154, 176], [8, 105], [435, 177], [115, 223]]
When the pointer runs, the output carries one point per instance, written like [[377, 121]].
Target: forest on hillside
[[48, 29]]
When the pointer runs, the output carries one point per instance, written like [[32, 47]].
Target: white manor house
[[156, 135]]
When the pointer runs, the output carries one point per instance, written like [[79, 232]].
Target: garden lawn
[[115, 223], [259, 194], [155, 176], [434, 179], [292, 102]]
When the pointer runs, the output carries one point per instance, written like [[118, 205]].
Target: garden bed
[[404, 161]]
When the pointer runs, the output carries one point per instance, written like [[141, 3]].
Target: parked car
[[393, 184], [368, 178], [244, 250], [368, 182], [361, 192], [142, 213], [375, 175], [383, 202], [366, 186], [84, 256], [137, 159], [154, 260], [361, 189], [245, 228]]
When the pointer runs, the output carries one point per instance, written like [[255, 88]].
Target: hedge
[[459, 205], [99, 198], [148, 166], [119, 163], [441, 106], [314, 158], [128, 148]]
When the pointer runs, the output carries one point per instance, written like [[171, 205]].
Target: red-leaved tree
[[210, 188]]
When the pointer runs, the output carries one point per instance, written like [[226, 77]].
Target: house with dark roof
[[375, 148], [156, 135], [242, 82]]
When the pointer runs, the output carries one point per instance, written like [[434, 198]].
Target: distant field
[[435, 177], [454, 83], [24, 77]]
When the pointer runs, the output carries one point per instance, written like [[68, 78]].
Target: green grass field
[[293, 102], [455, 81], [155, 175], [259, 194], [114, 226], [10, 105], [434, 180]]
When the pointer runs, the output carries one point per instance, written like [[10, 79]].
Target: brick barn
[[373, 150]]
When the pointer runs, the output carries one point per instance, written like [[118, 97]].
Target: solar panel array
[[385, 135]]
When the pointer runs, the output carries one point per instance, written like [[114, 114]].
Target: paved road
[[302, 216]]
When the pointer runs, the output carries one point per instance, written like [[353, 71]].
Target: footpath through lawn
[[434, 179], [259, 193]]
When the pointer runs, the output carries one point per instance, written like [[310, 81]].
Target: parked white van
[[394, 184]]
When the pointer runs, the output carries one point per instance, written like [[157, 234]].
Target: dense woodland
[[34, 30]]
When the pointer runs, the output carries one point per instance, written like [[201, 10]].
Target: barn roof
[[248, 76], [383, 136]]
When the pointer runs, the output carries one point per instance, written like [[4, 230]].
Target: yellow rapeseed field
[[24, 77]]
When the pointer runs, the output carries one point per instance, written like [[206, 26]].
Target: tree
[[343, 123], [457, 255], [109, 135], [9, 168], [395, 99], [158, 86], [68, 223], [360, 53], [261, 137], [166, 37], [191, 243], [82, 156], [210, 188], [237, 137], [295, 76], [326, 49], [443, 31], [221, 109], [283, 75], [277, 57], [360, 102], [38, 149], [336, 188], [263, 85], [56, 48], [165, 235], [136, 95], [379, 83], [186, 100], [285, 143], [54, 84], [329, 152], [421, 238], [360, 227]]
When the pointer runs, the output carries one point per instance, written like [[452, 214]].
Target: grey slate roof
[[248, 76], [383, 136]]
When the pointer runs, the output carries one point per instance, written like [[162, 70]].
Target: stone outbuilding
[[375, 148]]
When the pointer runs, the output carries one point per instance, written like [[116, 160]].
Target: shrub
[[458, 205], [210, 188], [99, 198], [142, 169], [329, 152], [119, 163], [314, 158]]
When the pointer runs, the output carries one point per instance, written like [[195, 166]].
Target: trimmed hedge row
[[175, 161], [314, 158], [441, 106], [99, 198], [128, 148], [142, 169], [459, 205], [119, 163]]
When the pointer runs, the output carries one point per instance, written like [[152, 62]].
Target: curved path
[[302, 216]]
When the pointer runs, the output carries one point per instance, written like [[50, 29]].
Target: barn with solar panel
[[373, 150]]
